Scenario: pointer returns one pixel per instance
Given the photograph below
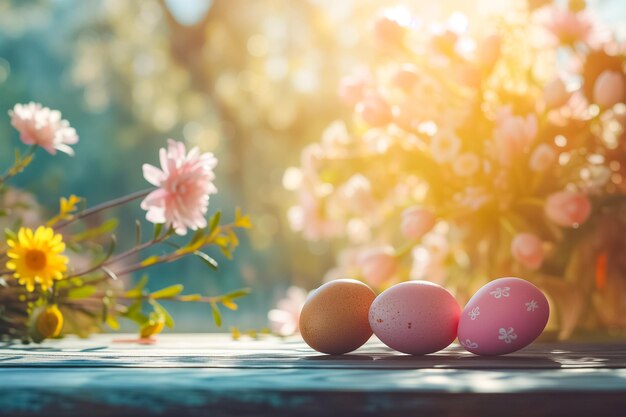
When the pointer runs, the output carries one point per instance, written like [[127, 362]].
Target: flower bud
[[49, 323], [351, 89], [378, 265], [153, 327], [416, 222], [488, 51], [527, 249], [388, 32], [468, 75], [405, 78], [568, 208], [542, 158], [375, 111], [608, 89], [555, 94]]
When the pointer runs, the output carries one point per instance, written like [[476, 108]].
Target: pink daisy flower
[[44, 127], [185, 182], [284, 318]]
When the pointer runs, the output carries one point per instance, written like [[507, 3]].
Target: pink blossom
[[285, 317], [609, 89], [527, 249], [569, 27], [568, 208], [468, 75], [355, 195], [514, 134], [542, 158], [309, 217], [555, 94], [374, 110], [378, 265], [488, 51], [44, 127], [416, 222], [352, 88], [388, 32], [185, 183], [405, 78]]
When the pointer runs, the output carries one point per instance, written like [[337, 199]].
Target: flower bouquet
[[480, 152], [64, 275]]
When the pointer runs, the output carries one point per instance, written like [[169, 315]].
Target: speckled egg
[[503, 316], [334, 318], [416, 317]]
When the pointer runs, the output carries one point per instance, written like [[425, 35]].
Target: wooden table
[[212, 375]]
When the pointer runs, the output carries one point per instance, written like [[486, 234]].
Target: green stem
[[17, 168], [122, 255], [102, 207]]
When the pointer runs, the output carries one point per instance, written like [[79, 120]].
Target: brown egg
[[334, 319]]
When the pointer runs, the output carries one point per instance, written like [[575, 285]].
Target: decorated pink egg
[[416, 317], [505, 315]]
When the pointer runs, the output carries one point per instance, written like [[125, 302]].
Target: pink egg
[[416, 317], [503, 316]]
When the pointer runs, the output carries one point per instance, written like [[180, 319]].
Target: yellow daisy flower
[[36, 257]]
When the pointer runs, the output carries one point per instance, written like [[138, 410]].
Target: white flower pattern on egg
[[507, 336], [468, 344], [500, 292], [532, 305], [474, 313]]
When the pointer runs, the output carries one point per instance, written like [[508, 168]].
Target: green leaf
[[207, 259], [150, 260], [168, 292], [237, 293], [111, 248], [162, 311], [106, 227], [137, 291], [81, 292], [112, 322], [215, 221], [74, 247], [229, 304], [9, 234], [133, 309], [217, 317], [198, 236], [190, 297], [135, 314], [242, 221], [157, 230]]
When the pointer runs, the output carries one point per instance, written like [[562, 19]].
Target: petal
[[153, 174]]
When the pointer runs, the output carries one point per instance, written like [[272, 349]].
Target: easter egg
[[503, 316], [333, 319], [415, 317]]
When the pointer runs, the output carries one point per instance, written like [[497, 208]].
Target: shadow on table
[[433, 361]]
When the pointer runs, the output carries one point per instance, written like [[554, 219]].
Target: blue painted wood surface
[[214, 376]]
